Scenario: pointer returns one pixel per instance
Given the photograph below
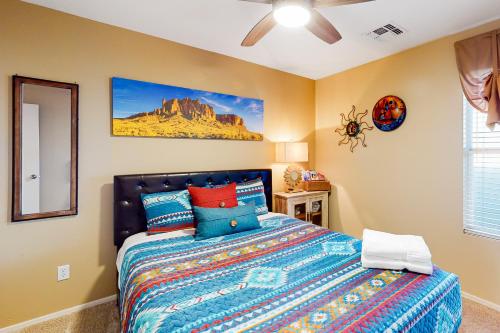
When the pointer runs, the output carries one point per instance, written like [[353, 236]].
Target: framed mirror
[[45, 149]]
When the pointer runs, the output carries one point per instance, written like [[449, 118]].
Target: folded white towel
[[388, 251], [396, 247], [423, 268]]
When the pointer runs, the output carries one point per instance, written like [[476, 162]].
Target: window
[[481, 175]]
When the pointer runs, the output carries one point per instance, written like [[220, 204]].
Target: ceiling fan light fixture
[[292, 15], [297, 13]]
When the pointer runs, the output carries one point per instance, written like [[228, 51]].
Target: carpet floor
[[104, 319]]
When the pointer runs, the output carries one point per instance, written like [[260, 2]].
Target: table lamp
[[292, 152]]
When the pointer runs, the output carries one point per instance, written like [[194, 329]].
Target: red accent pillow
[[218, 197]]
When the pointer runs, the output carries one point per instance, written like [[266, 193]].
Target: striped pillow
[[168, 211], [252, 191]]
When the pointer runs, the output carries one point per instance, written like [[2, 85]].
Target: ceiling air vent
[[388, 31]]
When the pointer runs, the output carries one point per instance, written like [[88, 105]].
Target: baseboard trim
[[54, 315], [481, 301]]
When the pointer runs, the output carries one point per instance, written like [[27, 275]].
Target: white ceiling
[[220, 25]]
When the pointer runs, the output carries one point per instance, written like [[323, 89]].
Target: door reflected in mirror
[[45, 149]]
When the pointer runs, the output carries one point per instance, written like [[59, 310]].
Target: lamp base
[[294, 190], [293, 178]]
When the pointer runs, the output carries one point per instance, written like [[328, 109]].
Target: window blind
[[481, 174]]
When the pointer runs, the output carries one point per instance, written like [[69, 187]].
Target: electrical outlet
[[62, 272]]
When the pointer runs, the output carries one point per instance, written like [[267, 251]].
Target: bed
[[288, 276]]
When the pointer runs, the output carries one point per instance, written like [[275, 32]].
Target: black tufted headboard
[[129, 215]]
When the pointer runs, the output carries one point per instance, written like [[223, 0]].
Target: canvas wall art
[[156, 110]]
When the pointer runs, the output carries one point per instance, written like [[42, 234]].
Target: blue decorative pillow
[[168, 211], [214, 222], [252, 191]]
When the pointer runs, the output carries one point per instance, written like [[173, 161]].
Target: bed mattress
[[289, 276]]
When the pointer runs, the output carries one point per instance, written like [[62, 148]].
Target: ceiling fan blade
[[322, 28], [260, 30], [260, 1], [329, 3]]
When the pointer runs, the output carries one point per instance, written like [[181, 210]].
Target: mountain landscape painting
[[157, 110]]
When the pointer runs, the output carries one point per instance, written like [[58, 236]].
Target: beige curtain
[[478, 64]]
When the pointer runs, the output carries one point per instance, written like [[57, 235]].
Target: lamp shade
[[287, 152]]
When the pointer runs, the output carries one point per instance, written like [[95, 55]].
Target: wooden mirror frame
[[17, 100]]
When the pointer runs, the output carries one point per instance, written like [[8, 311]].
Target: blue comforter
[[289, 276]]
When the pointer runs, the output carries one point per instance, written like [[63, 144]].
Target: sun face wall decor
[[353, 128]]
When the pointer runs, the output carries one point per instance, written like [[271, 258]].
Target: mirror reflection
[[46, 153]]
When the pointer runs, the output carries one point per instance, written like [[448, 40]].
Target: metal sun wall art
[[352, 129]]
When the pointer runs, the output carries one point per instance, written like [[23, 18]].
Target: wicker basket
[[317, 185]]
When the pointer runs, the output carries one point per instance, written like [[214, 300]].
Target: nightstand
[[307, 206]]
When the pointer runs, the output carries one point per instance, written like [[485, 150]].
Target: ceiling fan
[[297, 13]]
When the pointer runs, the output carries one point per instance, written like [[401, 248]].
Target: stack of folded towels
[[387, 251]]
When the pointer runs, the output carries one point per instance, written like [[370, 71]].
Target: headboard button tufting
[[129, 214]]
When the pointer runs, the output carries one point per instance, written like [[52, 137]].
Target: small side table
[[306, 206]]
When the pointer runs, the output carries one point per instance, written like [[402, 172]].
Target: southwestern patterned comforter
[[289, 276]]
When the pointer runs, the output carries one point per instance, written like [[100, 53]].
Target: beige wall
[[46, 44], [409, 180]]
